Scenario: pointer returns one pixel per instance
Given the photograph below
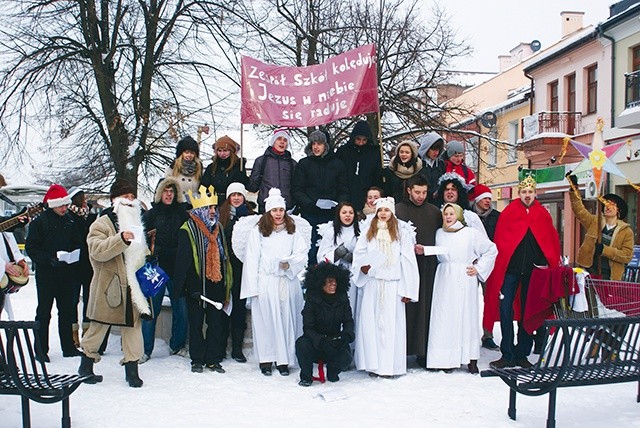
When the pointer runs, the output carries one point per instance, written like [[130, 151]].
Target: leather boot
[[131, 374], [75, 334], [237, 338], [86, 369], [473, 367]]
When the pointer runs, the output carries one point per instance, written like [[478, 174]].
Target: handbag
[[151, 277]]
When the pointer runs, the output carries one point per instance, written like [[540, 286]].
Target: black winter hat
[[187, 143], [317, 274], [121, 187]]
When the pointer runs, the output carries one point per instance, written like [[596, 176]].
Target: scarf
[[384, 242], [481, 214], [368, 210], [406, 170], [213, 269], [189, 167], [455, 227], [79, 211]]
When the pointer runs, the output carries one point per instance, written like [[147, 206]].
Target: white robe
[[454, 333], [4, 258], [381, 341], [275, 294], [325, 253]]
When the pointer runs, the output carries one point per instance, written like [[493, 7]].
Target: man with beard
[[116, 252], [427, 219], [525, 238]]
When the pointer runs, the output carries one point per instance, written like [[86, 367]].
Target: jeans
[[179, 324], [510, 351]]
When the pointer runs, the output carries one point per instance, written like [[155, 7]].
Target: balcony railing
[[554, 122], [632, 96]]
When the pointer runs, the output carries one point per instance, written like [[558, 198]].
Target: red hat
[[56, 196], [480, 192]]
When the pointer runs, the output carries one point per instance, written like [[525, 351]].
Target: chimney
[[571, 22]]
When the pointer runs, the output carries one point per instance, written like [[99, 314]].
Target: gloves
[[340, 252], [330, 344], [146, 317], [56, 263], [195, 295], [572, 178], [348, 258], [599, 248]]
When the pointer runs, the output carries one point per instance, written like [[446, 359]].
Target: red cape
[[513, 223]]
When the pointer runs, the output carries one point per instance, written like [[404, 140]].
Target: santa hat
[[279, 133], [274, 200], [56, 196], [387, 202], [236, 187], [480, 192]]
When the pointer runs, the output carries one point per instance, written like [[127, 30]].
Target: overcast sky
[[494, 27]]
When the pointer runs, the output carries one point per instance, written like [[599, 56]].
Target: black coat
[[272, 170], [364, 168], [48, 234], [316, 178], [325, 317], [489, 222], [220, 178], [166, 220], [84, 268]]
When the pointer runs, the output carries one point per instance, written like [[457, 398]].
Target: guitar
[[31, 212]]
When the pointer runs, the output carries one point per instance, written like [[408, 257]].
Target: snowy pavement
[[172, 396]]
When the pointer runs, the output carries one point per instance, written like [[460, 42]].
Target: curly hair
[[317, 274]]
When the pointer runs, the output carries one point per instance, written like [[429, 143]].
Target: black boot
[[131, 372], [237, 337], [86, 369]]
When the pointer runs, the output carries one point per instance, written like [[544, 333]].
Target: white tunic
[[275, 294], [381, 341], [454, 333]]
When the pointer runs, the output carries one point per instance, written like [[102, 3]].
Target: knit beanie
[[226, 142], [274, 200], [56, 196], [187, 143], [387, 202], [454, 147], [236, 187], [121, 187], [279, 133]]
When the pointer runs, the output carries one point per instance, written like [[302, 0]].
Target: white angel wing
[[325, 229], [240, 236], [304, 228]]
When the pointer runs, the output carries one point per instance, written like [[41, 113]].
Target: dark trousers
[[236, 323], [63, 293], [314, 220], [206, 345], [511, 351], [307, 354]]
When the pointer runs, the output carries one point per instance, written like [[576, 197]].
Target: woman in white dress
[[338, 241], [276, 252], [385, 268], [454, 333]]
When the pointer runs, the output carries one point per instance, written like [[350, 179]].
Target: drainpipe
[[530, 77], [601, 33]]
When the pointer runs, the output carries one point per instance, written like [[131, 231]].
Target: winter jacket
[[48, 234], [84, 267], [463, 170], [619, 253], [396, 173], [322, 317], [364, 168], [432, 170], [489, 221], [319, 177], [184, 182], [272, 170], [220, 178], [166, 220]]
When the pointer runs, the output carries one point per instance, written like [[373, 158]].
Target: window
[[512, 152], [592, 89], [636, 58], [471, 153], [553, 96], [571, 93]]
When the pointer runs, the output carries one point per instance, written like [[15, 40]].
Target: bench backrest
[[17, 349], [591, 341]]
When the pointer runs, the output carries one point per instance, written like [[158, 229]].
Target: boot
[[86, 369], [473, 367], [237, 337], [75, 333], [131, 374]]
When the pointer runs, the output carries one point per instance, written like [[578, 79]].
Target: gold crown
[[204, 200], [527, 182]]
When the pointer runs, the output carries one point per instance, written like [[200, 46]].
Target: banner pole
[[241, 146], [380, 138]]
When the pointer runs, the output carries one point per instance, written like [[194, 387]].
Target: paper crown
[[527, 182], [204, 199]]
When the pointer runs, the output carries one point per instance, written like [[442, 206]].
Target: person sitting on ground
[[327, 322]]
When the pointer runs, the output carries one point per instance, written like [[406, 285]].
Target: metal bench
[[577, 352], [21, 374]]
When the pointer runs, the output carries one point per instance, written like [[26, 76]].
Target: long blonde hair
[[392, 225], [176, 170]]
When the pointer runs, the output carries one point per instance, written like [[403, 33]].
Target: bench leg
[[512, 404], [638, 397], [551, 416], [66, 418], [26, 414]]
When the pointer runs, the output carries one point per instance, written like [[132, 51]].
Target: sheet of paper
[[228, 308], [434, 250], [69, 257], [333, 394], [138, 233], [325, 204]]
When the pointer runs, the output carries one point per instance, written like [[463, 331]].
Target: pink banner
[[343, 86]]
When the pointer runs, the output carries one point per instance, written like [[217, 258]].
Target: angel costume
[[381, 341], [454, 333]]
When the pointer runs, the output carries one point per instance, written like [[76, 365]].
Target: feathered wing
[[304, 228], [240, 236]]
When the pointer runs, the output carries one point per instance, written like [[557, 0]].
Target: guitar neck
[[8, 224]]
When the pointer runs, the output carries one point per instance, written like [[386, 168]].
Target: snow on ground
[[172, 396]]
